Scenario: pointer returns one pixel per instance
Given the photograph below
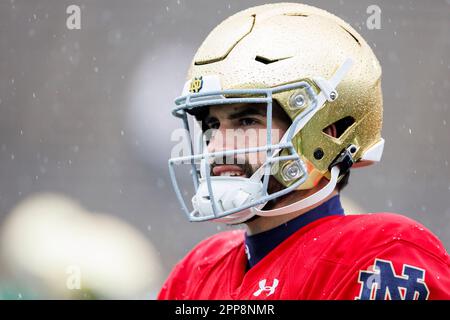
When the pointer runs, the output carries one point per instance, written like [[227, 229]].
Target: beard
[[248, 170]]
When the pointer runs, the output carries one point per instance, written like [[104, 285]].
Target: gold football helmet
[[318, 69]]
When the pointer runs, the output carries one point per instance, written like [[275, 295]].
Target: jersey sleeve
[[400, 271], [174, 285], [183, 274], [187, 274]]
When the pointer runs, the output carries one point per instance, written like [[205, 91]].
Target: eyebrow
[[243, 112], [248, 111]]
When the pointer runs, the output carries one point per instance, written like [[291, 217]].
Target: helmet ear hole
[[338, 128], [331, 130]]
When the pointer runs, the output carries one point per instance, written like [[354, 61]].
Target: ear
[[331, 130]]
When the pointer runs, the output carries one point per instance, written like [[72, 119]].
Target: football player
[[289, 99]]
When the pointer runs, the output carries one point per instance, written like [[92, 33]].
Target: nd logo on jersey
[[383, 284], [196, 85]]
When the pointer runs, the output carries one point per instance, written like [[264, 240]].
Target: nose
[[219, 141]]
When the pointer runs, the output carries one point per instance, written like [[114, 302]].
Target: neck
[[262, 224]]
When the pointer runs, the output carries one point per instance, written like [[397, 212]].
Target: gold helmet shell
[[275, 44]]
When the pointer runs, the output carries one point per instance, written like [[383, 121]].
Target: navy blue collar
[[259, 245]]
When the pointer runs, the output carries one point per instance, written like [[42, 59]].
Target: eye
[[248, 122], [212, 123]]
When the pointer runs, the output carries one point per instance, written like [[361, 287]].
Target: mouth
[[228, 171]]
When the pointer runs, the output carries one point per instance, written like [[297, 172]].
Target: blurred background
[[86, 206]]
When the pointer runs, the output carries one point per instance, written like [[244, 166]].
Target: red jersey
[[369, 256]]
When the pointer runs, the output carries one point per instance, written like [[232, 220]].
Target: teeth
[[230, 173]]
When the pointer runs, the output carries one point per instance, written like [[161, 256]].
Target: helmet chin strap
[[306, 202]]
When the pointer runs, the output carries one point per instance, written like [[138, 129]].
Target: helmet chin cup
[[227, 193]]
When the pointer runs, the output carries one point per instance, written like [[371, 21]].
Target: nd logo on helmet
[[196, 85]]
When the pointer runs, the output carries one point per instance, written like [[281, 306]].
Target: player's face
[[242, 126]]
